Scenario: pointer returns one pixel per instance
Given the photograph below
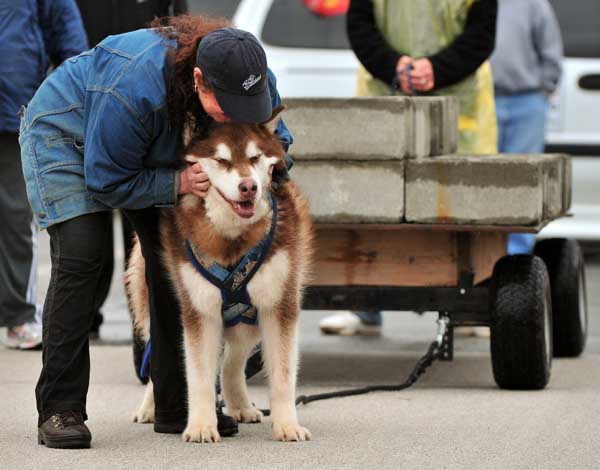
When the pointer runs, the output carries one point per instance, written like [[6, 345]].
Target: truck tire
[[521, 323], [565, 265]]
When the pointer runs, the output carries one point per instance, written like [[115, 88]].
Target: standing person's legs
[[18, 247], [524, 133], [77, 254], [526, 127], [166, 359], [502, 120], [106, 275]]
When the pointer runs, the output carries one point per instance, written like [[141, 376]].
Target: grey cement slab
[[488, 190], [352, 191], [378, 128], [349, 128], [435, 126]]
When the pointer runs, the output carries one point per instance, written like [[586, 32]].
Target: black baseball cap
[[235, 65]]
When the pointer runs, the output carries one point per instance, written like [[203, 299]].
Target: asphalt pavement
[[453, 418]]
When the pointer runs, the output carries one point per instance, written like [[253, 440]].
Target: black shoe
[[226, 425], [65, 430]]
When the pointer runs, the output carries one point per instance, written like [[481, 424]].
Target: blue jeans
[[373, 318], [521, 129]]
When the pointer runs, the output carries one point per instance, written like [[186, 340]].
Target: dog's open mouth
[[245, 209]]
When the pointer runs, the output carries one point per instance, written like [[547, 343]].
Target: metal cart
[[535, 305]]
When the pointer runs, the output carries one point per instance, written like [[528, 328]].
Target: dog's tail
[[137, 291]]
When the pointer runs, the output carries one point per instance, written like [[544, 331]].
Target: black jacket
[[102, 18], [450, 65]]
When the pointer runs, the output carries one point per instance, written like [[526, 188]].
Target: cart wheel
[[521, 323], [565, 265], [139, 347]]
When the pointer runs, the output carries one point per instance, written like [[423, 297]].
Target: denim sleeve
[[116, 144], [282, 131], [62, 27]]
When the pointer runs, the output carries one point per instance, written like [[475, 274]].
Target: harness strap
[[236, 306]]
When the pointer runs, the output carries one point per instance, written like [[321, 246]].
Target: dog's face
[[239, 161]]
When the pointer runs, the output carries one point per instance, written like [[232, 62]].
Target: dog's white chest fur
[[265, 289]]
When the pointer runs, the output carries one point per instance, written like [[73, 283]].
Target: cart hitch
[[445, 338]]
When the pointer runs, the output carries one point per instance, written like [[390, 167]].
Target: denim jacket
[[96, 135]]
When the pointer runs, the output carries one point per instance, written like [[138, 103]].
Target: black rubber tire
[[566, 270], [521, 323], [139, 347]]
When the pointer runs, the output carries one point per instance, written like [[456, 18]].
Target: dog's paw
[[143, 415], [246, 415], [201, 433], [290, 432]]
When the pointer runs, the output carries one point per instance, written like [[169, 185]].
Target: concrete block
[[435, 126], [485, 190], [352, 191], [349, 129], [568, 183], [554, 173]]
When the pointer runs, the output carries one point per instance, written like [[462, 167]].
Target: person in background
[[526, 66], [35, 35], [100, 20], [437, 47]]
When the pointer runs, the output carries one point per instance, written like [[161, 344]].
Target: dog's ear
[[271, 124]]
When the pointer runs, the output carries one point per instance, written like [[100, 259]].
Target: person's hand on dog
[[193, 180], [422, 75]]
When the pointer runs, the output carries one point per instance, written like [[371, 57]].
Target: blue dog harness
[[233, 283]]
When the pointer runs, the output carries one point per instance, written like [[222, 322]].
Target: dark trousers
[[108, 268], [78, 256], [167, 367], [18, 234]]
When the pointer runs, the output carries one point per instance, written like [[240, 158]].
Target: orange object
[[327, 7]]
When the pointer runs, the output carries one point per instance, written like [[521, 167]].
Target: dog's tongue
[[244, 209]]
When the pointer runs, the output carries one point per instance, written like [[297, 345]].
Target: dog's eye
[[221, 161], [255, 158]]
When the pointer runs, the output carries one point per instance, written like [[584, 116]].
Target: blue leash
[[146, 361]]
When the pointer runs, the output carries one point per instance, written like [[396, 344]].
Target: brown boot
[[65, 430]]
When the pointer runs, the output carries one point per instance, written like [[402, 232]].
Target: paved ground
[[455, 417]]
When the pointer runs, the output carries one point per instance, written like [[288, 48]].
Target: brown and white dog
[[235, 215]]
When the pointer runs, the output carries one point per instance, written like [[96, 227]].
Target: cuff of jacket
[[167, 187], [391, 63]]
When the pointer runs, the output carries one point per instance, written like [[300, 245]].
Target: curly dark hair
[[187, 31]]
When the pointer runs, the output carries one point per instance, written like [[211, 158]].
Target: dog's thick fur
[[229, 154]]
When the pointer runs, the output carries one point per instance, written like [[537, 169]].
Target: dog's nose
[[248, 188]]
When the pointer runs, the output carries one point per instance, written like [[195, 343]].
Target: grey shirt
[[529, 48]]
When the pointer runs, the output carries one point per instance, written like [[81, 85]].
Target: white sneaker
[[347, 324], [25, 336]]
